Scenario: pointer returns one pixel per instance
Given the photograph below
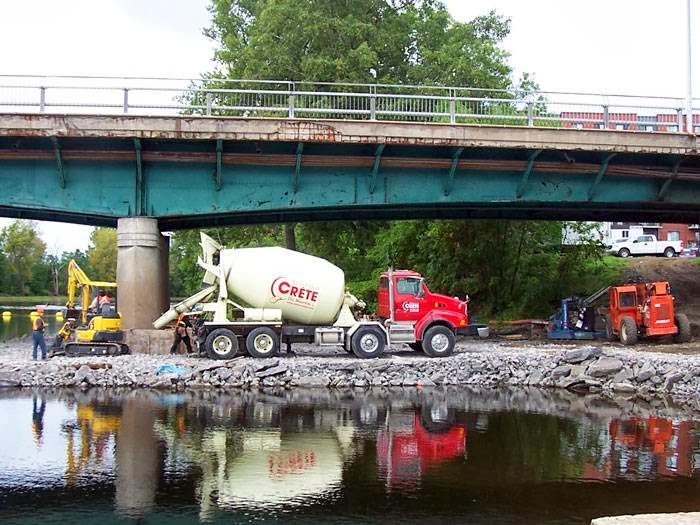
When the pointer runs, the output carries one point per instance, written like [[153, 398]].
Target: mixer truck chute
[[294, 297]]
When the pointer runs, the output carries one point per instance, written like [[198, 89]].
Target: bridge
[[148, 158]]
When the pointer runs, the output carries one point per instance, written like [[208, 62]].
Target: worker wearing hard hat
[[38, 328]]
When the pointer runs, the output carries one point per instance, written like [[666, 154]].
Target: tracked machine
[[88, 332]]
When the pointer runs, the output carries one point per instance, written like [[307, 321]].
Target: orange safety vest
[[38, 324]]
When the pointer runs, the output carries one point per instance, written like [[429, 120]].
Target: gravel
[[598, 368]]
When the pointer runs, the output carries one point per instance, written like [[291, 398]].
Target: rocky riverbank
[[602, 368]]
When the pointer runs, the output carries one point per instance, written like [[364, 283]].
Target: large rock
[[561, 371], [8, 380], [647, 372], [605, 366], [581, 354], [84, 375]]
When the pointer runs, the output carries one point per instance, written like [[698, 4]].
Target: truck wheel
[[669, 252], [683, 335], [262, 342], [368, 342], [609, 331], [221, 343], [624, 252], [438, 341], [628, 331]]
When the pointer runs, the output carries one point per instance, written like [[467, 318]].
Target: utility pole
[[689, 98]]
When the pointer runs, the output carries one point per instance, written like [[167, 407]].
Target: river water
[[19, 323], [316, 457]]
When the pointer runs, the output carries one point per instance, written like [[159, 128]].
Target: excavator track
[[94, 348]]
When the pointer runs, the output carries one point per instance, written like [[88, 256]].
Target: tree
[[102, 254], [386, 41], [23, 250]]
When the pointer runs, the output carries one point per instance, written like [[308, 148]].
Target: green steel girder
[[667, 183], [139, 190], [171, 180], [375, 167], [526, 174], [453, 168], [297, 167], [217, 173], [59, 162], [600, 175]]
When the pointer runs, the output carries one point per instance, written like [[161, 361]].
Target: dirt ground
[[684, 276]]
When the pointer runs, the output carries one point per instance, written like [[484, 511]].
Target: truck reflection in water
[[411, 443], [645, 449]]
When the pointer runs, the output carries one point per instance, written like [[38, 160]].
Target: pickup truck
[[645, 245]]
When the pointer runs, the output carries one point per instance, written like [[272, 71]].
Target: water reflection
[[305, 456]]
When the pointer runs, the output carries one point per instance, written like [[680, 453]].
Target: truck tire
[[628, 331], [624, 252], [683, 335], [438, 341], [609, 329], [669, 252], [368, 342], [262, 342], [221, 343]]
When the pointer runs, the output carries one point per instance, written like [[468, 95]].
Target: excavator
[[86, 332]]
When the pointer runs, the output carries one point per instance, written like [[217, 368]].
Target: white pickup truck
[[645, 245]]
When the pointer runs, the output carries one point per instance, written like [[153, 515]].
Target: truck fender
[[350, 331], [431, 319]]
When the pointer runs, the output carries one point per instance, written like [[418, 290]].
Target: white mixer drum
[[307, 289]]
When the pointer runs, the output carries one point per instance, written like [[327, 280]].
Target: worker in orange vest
[[38, 327], [181, 334]]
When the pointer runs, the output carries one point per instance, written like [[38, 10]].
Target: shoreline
[[602, 368]]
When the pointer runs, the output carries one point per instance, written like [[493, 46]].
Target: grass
[[32, 299], [606, 271]]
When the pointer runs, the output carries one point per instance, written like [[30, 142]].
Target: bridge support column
[[142, 272]]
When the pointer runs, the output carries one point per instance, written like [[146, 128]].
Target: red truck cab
[[404, 299]]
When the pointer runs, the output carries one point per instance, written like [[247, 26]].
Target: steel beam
[[667, 183], [526, 174], [297, 167], [599, 177], [217, 173], [453, 168], [375, 167], [59, 162]]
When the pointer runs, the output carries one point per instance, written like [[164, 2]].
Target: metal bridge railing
[[381, 102]]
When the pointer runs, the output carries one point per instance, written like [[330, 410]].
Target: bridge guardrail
[[376, 102]]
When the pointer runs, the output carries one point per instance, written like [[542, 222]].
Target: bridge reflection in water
[[407, 456]]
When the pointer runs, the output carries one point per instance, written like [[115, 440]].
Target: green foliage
[[102, 254], [386, 41], [23, 250]]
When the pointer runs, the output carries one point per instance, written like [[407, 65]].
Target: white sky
[[612, 46]]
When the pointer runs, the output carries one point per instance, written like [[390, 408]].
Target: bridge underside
[[193, 172]]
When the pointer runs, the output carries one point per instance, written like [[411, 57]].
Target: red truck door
[[409, 299]]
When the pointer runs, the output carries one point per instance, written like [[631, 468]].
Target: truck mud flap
[[482, 330]]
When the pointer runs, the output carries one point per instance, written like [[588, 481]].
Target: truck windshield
[[408, 285]]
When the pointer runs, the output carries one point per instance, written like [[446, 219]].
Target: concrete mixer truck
[[291, 297]]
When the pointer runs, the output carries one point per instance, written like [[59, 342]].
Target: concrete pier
[[142, 272]]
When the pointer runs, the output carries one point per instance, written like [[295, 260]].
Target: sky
[[598, 46]]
